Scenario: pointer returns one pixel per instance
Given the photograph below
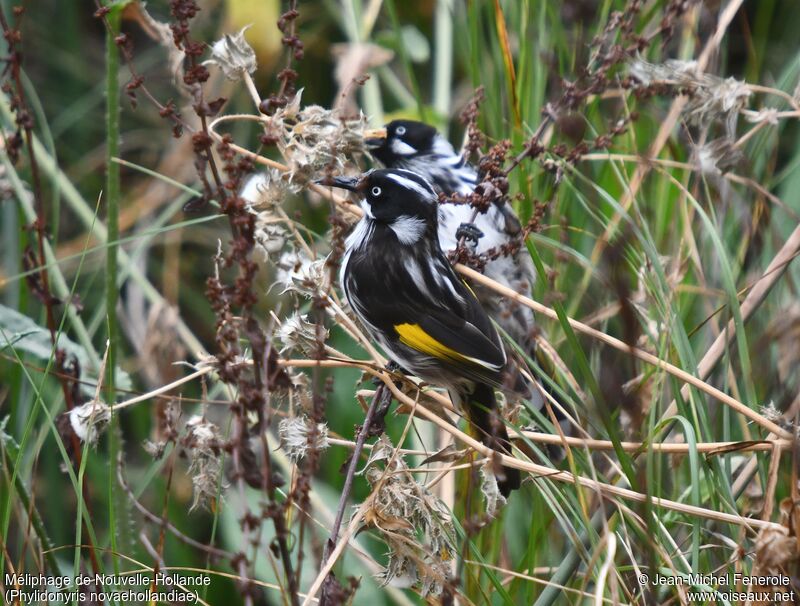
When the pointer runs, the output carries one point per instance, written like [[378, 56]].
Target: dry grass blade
[[508, 60], [665, 447]]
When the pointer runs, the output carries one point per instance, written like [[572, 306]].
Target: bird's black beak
[[374, 138], [348, 183]]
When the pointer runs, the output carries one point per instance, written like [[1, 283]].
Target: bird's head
[[401, 199], [403, 140]]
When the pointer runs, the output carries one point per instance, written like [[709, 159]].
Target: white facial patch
[[358, 238], [408, 229], [367, 208], [402, 148], [412, 185]]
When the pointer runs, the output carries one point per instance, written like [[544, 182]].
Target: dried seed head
[[263, 193], [776, 550], [203, 444], [167, 429], [266, 190], [233, 55], [270, 237], [766, 114], [491, 493], [671, 71], [711, 98], [415, 524], [155, 449], [298, 435], [716, 100], [297, 332], [717, 157], [297, 273], [299, 381], [771, 413], [89, 420], [728, 95], [313, 139], [300, 392]]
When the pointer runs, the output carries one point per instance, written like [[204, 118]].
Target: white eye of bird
[[401, 130], [376, 191]]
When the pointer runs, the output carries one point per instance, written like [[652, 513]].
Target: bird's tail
[[481, 408]]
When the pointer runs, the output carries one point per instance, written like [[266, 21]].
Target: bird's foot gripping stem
[[392, 367], [470, 233], [384, 397]]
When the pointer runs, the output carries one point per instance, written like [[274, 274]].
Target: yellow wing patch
[[415, 337]]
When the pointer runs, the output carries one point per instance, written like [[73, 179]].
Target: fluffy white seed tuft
[[299, 436], [233, 55], [89, 420]]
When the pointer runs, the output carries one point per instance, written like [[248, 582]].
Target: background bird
[[419, 147], [404, 290]]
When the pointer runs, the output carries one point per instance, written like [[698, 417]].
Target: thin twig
[[334, 556], [164, 523], [163, 389], [377, 400], [592, 444], [664, 447]]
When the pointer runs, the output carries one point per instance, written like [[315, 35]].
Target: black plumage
[[403, 289], [419, 147]]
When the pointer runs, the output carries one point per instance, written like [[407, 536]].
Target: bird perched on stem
[[418, 147], [405, 292]]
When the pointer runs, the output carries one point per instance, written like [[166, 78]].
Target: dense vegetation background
[[652, 154]]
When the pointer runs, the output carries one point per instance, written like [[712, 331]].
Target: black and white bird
[[405, 292], [418, 147]]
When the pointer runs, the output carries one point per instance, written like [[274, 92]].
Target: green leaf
[[24, 335], [414, 43]]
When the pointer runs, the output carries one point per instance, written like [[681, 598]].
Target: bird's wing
[[462, 337], [454, 341], [451, 326]]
